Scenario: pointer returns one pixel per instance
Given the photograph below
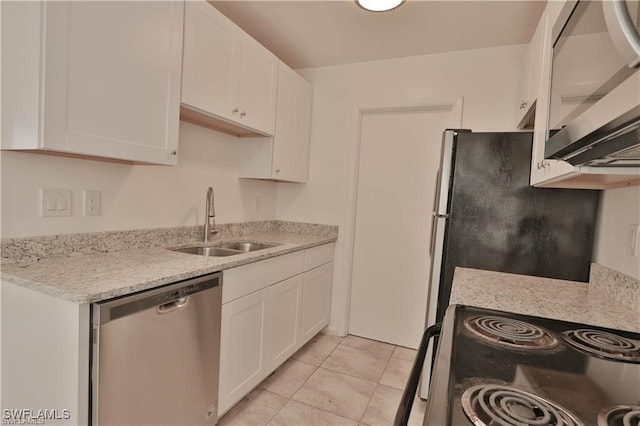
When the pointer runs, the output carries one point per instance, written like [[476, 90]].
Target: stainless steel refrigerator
[[486, 216]]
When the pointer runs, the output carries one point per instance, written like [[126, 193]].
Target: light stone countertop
[[543, 297], [99, 276]]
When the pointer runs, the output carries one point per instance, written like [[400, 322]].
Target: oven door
[[595, 78]]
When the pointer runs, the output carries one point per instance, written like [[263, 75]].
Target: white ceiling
[[315, 33]]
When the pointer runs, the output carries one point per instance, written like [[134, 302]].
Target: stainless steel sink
[[208, 251], [225, 249], [245, 246]]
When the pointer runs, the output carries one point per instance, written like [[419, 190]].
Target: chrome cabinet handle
[[235, 110], [173, 152], [243, 113], [523, 105], [277, 171]]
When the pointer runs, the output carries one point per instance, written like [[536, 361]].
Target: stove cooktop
[[498, 368]]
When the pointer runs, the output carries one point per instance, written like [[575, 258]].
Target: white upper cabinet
[[293, 128], [530, 78], [98, 79], [208, 63], [229, 80], [285, 157]]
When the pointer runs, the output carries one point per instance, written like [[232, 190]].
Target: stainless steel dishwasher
[[156, 354]]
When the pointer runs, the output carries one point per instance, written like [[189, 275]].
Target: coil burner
[[512, 333], [489, 405], [620, 415], [604, 345]]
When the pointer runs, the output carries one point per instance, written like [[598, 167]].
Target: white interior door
[[398, 160]]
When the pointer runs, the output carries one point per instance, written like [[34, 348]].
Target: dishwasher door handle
[[406, 403], [172, 306]]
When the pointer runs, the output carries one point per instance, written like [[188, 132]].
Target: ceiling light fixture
[[379, 5]]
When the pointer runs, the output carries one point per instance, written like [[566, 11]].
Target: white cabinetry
[[45, 354], [228, 79], [530, 78], [316, 292], [285, 303], [544, 170], [99, 79], [285, 156], [243, 343], [270, 309]]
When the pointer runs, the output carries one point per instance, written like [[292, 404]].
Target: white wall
[[619, 208], [136, 197], [486, 78]]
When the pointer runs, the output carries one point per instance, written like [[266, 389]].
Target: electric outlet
[[55, 202], [92, 202]]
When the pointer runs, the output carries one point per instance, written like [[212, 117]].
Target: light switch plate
[[55, 202]]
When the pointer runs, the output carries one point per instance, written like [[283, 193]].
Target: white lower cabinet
[[242, 346], [271, 308], [45, 355], [316, 299], [285, 303]]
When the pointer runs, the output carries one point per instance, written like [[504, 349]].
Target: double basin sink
[[225, 249]]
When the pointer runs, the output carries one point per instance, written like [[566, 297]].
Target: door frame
[[453, 104]]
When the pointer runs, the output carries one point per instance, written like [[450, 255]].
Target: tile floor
[[332, 381]]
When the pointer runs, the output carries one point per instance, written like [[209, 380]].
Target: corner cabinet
[[228, 79], [96, 79], [270, 309], [285, 156]]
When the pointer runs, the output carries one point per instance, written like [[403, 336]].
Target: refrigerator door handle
[[434, 218], [432, 244], [434, 221]]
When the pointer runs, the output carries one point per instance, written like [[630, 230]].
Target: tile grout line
[[316, 367], [377, 385]]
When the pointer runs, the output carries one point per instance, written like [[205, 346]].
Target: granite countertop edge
[[71, 279], [563, 300]]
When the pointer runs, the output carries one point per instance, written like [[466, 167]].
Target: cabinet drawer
[[317, 256], [246, 279]]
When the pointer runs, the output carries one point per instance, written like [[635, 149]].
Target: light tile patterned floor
[[332, 381]]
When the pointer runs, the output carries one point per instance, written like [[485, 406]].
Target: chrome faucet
[[209, 217]]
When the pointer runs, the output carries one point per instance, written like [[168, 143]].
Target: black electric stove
[[498, 368]]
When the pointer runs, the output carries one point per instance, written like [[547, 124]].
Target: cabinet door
[[530, 77], [316, 300], [523, 89], [293, 127], [285, 301], [242, 347], [112, 79], [209, 60], [545, 170], [256, 84]]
